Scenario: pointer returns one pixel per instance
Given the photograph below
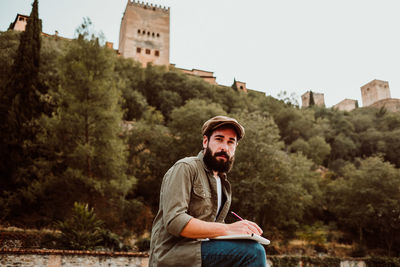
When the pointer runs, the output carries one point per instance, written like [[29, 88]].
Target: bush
[[113, 241], [359, 252], [83, 230], [315, 234], [383, 262], [143, 244]]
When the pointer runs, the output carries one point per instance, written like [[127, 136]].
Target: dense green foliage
[[20, 105], [82, 230], [104, 131]]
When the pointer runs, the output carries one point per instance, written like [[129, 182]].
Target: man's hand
[[243, 227]]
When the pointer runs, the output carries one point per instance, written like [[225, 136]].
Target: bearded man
[[195, 198]]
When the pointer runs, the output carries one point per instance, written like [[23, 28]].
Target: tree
[[312, 102], [128, 75], [20, 106], [186, 123], [319, 149], [295, 123], [288, 100], [367, 199], [82, 138], [150, 157], [234, 85], [265, 178], [83, 230]]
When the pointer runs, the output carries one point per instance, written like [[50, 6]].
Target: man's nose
[[224, 147]]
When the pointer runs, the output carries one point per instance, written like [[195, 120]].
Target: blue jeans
[[232, 253]]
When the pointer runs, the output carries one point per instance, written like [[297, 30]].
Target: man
[[194, 200]]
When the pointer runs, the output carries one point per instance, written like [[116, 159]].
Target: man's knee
[[258, 250], [256, 255]]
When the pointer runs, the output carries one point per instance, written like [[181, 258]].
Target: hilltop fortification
[[374, 91], [318, 98], [144, 33]]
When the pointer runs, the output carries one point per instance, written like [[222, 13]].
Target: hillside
[[296, 169]]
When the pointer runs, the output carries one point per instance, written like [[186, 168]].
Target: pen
[[240, 218]]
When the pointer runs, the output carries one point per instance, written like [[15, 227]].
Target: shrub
[[383, 262], [83, 230], [358, 252], [143, 244], [113, 241]]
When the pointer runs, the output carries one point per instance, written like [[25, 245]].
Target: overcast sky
[[332, 47]]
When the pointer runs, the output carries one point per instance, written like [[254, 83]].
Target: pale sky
[[327, 46]]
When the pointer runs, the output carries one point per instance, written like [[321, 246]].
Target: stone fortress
[[145, 37], [144, 33], [376, 94]]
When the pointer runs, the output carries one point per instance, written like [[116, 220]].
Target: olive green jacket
[[188, 190]]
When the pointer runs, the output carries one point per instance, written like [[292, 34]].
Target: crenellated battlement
[[150, 6], [144, 33]]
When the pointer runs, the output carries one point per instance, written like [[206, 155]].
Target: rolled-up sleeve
[[175, 196]]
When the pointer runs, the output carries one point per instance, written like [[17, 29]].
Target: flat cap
[[219, 121]]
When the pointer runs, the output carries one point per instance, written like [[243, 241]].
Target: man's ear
[[205, 141]]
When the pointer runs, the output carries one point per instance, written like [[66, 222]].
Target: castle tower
[[144, 33], [374, 91], [19, 23], [319, 99]]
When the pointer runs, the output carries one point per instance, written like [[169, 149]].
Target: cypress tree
[[234, 85], [312, 102], [23, 87], [20, 104]]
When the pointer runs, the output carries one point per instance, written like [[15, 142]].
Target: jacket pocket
[[201, 192], [200, 203]]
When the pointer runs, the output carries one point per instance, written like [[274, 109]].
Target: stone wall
[[346, 105], [58, 258], [391, 104]]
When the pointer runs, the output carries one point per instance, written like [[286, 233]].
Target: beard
[[215, 164]]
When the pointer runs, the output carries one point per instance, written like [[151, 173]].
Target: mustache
[[221, 153]]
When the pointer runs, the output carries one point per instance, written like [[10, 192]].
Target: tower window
[[138, 31], [148, 33], [157, 53], [21, 18], [158, 35], [152, 34], [148, 51], [144, 32], [138, 50]]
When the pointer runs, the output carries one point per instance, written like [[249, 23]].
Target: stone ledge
[[72, 252]]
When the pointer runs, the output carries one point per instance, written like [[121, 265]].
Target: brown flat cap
[[219, 121]]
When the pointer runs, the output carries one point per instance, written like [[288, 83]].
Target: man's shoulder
[[189, 160], [186, 166]]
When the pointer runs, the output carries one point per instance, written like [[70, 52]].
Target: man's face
[[220, 149]]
